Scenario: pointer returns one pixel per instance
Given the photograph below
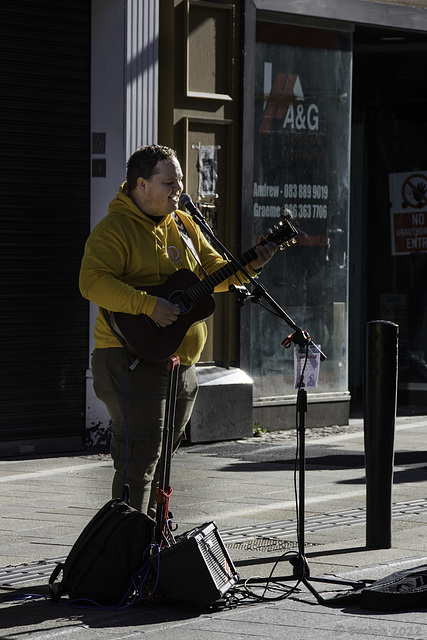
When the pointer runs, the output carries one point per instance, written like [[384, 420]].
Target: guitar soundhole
[[181, 299]]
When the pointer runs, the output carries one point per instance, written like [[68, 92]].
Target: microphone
[[189, 204]]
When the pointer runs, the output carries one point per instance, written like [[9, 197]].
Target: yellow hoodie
[[128, 249]]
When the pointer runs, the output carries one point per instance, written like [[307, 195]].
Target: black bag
[[109, 559], [399, 591]]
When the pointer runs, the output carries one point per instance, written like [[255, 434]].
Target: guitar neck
[[282, 234], [214, 279]]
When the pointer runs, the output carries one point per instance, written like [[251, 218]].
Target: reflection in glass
[[301, 163]]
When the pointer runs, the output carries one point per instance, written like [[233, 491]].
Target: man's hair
[[143, 161]]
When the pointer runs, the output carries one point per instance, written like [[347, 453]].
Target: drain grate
[[289, 527], [31, 572], [264, 544], [269, 536], [316, 523]]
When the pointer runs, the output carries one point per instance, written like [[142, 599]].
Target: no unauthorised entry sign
[[408, 210]]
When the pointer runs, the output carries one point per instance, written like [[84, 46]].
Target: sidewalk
[[247, 489]]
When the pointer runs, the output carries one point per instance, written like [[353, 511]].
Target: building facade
[[314, 109]]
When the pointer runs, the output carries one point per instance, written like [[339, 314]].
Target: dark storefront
[[388, 274], [45, 123]]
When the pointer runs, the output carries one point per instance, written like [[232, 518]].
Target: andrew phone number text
[[293, 192]]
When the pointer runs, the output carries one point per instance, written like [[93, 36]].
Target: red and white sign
[[408, 210]]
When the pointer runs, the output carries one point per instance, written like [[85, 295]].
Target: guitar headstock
[[283, 233]]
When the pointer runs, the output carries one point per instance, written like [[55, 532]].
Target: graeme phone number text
[[297, 210], [308, 210]]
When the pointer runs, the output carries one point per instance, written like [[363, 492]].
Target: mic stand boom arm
[[299, 336]]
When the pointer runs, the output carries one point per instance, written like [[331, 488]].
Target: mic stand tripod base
[[301, 570]]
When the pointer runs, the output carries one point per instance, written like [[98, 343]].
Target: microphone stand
[[301, 570]]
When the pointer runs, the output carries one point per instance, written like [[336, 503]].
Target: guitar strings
[[201, 288]]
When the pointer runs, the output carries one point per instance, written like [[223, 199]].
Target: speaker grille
[[215, 558]]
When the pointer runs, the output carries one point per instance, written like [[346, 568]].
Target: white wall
[[124, 99]]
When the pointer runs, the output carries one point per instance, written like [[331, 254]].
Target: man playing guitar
[[135, 248]]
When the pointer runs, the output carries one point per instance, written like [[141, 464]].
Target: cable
[[126, 486], [297, 456], [270, 586]]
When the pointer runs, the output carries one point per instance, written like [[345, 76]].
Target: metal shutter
[[44, 218]]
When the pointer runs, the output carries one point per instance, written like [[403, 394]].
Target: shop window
[[302, 108]]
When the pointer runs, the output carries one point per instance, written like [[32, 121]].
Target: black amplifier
[[197, 568]]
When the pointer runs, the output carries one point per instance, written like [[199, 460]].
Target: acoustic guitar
[[146, 339]]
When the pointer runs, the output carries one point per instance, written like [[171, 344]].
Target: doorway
[[388, 280]]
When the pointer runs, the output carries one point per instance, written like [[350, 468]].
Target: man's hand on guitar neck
[[165, 313], [264, 252]]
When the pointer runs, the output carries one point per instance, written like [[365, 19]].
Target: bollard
[[380, 397]]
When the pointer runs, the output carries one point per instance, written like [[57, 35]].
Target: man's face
[[160, 194]]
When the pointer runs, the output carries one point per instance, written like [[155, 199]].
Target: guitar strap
[[108, 320], [186, 239]]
